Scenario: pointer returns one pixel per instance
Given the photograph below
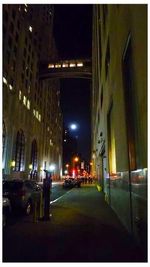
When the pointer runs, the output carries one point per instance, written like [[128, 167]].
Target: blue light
[[73, 126]]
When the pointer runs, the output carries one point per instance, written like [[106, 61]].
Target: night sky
[[73, 36]]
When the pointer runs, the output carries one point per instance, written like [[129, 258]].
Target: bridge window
[[65, 65], [80, 64], [72, 65], [50, 66], [58, 66]]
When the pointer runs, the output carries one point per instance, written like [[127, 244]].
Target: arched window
[[20, 149], [34, 155], [4, 139]]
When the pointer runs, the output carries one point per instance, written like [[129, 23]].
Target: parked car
[[6, 210], [71, 182], [21, 194]]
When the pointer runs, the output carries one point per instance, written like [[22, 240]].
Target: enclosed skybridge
[[66, 69]]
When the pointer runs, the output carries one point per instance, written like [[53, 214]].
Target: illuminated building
[[32, 118], [119, 111]]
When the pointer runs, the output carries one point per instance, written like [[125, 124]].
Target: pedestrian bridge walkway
[[76, 68]]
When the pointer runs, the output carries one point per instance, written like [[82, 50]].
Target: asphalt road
[[83, 228]]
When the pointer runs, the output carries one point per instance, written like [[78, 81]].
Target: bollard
[[41, 206], [46, 193]]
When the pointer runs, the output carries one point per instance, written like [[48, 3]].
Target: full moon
[[73, 126]]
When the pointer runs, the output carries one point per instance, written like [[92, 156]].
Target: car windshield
[[12, 186]]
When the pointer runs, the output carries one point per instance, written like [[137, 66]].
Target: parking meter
[[46, 195]]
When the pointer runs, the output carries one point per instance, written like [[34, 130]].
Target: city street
[[83, 228]]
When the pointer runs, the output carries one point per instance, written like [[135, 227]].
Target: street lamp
[[76, 159], [52, 168]]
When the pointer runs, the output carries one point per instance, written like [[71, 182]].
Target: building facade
[[32, 117], [119, 111]]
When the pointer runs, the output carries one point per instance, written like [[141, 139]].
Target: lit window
[[34, 112], [65, 65], [72, 65], [37, 114], [39, 117], [51, 143], [64, 140], [4, 80], [50, 66], [20, 95], [30, 28], [80, 64], [24, 100], [57, 66], [28, 104], [10, 87]]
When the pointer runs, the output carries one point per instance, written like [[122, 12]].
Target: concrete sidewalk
[[83, 228]]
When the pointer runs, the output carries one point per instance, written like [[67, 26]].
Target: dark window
[[20, 149], [22, 77], [8, 56], [25, 52], [105, 13], [5, 15], [28, 60], [26, 41], [23, 65], [34, 155], [26, 83], [17, 37], [18, 24], [11, 27], [15, 51], [14, 14], [10, 42]]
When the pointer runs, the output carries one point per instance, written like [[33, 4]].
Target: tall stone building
[[32, 118], [119, 111]]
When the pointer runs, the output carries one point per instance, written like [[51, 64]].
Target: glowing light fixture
[[4, 80], [30, 166], [80, 64], [30, 28], [72, 65], [76, 159], [52, 167], [65, 65], [20, 93], [13, 163], [58, 66], [10, 87], [50, 66]]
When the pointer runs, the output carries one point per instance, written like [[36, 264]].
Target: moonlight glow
[[73, 126]]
